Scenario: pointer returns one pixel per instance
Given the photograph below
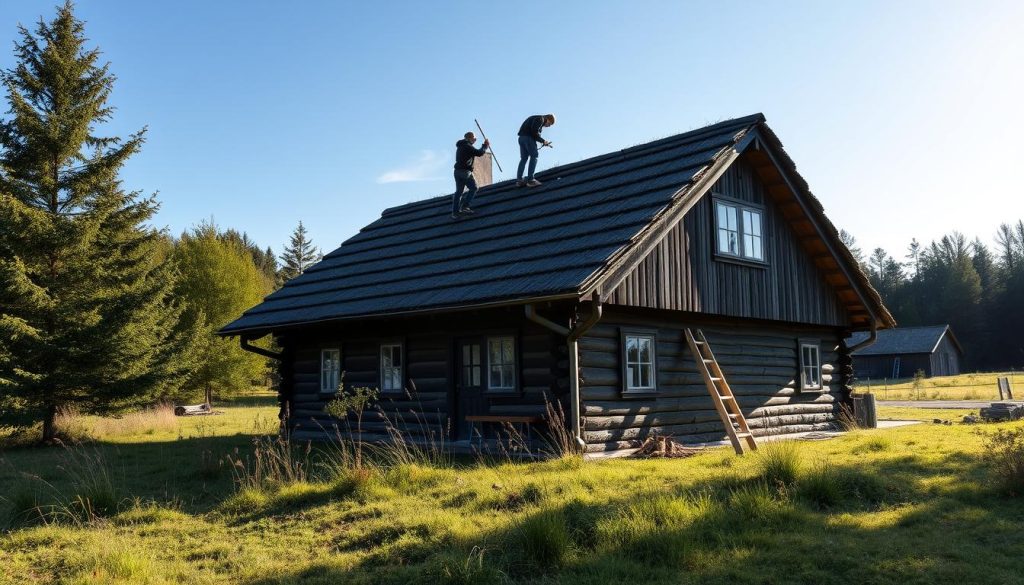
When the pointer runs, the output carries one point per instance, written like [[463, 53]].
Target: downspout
[[572, 340], [871, 338], [244, 340]]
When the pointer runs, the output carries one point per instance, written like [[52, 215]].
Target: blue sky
[[901, 115]]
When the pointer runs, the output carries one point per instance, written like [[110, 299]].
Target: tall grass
[[73, 427], [778, 462]]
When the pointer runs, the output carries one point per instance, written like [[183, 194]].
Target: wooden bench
[[504, 419]]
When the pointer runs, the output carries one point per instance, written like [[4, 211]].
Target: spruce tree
[[299, 255], [86, 312]]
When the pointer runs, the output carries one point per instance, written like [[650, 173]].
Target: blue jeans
[[463, 179], [527, 150]]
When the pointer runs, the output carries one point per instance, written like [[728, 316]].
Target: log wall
[[424, 410], [760, 362]]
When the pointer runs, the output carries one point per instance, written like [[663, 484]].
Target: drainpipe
[[244, 341], [572, 340], [871, 338]]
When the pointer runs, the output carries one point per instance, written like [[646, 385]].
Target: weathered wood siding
[[426, 406], [682, 273], [945, 360], [760, 362]]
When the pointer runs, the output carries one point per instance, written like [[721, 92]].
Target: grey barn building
[[900, 352], [580, 292]]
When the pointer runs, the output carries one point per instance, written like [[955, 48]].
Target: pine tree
[[86, 313], [299, 255], [851, 244]]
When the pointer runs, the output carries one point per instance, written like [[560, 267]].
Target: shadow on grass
[[740, 531]]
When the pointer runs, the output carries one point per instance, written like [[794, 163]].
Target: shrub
[[778, 462], [543, 540], [827, 486], [275, 462], [1004, 454]]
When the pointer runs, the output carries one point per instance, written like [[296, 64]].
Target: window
[[330, 370], [739, 230], [896, 367], [501, 363], [639, 371], [810, 365], [471, 365], [391, 367]]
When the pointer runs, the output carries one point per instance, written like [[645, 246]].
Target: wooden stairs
[[721, 394]]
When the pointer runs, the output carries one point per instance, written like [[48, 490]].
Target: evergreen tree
[[86, 312], [299, 255], [218, 282], [851, 244]]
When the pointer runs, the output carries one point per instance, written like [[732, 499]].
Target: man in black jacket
[[529, 136], [464, 155]]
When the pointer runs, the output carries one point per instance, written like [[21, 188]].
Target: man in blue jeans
[[464, 156], [529, 136]]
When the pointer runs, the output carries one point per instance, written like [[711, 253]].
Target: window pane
[[495, 380], [753, 223], [385, 359], [466, 356], [476, 374], [730, 214], [645, 376], [476, 354], [508, 379], [723, 241], [756, 249], [632, 378], [396, 356], [734, 247], [632, 352], [645, 350], [494, 351], [723, 221], [507, 351]]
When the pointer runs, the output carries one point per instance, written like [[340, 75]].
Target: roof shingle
[[522, 244]]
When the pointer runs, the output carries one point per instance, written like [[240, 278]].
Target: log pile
[[193, 410], [656, 446], [1000, 411]]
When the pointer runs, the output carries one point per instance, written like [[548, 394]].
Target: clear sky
[[903, 116]]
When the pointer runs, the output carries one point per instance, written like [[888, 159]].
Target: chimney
[[482, 170]]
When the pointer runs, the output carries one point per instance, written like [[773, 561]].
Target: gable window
[[391, 367], [501, 363], [739, 230], [810, 364], [639, 371], [330, 370]]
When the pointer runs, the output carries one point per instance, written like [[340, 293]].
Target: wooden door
[[469, 387]]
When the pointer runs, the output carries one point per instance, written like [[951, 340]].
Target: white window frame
[[749, 245], [812, 366], [392, 377], [506, 369], [639, 364], [330, 370]]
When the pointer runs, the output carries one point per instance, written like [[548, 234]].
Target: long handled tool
[[488, 148]]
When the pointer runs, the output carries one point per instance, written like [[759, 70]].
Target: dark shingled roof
[[523, 244], [903, 340]]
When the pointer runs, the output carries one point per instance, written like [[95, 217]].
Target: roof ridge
[[578, 165]]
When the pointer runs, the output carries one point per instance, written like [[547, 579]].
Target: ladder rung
[[707, 361], [723, 397], [731, 415], [713, 379], [744, 435], [695, 342]]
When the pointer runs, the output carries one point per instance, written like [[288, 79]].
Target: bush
[[778, 462], [1004, 454]]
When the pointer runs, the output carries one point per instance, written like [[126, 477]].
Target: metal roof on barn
[[522, 245], [904, 340]]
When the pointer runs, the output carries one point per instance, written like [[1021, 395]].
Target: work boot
[[533, 183], [520, 183], [466, 210], [456, 216]]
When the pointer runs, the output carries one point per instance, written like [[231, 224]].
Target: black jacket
[[532, 127], [464, 155]]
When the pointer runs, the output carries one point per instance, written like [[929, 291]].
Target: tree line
[[976, 289], [98, 310]]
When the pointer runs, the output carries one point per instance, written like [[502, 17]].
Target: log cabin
[[581, 293]]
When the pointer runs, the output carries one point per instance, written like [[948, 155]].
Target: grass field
[[916, 504], [980, 386]]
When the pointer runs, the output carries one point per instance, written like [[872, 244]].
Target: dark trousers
[[463, 180], [527, 151]]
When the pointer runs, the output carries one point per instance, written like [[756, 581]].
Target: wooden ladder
[[721, 394]]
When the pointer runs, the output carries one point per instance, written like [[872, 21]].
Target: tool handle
[[484, 135]]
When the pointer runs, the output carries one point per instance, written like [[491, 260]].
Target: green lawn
[[909, 505], [980, 386]]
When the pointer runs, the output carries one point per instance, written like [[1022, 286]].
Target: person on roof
[[464, 156], [529, 136]]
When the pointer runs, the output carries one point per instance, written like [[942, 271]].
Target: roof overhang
[[790, 192]]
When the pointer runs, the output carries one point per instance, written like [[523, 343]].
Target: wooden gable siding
[[682, 273], [760, 363], [429, 351]]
